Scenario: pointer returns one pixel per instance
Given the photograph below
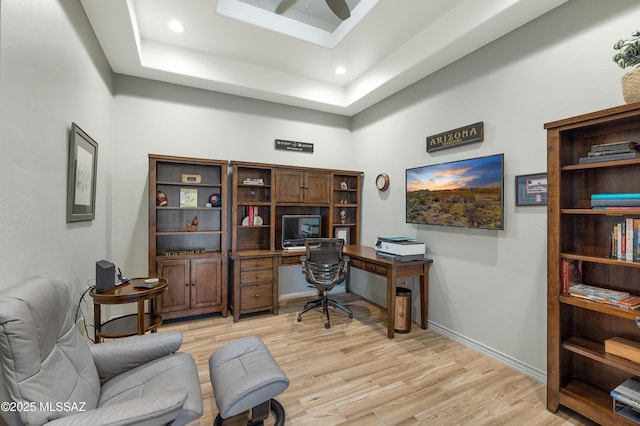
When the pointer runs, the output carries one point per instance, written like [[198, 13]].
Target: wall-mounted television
[[297, 228], [466, 193]]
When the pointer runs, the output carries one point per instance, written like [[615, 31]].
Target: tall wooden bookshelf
[[194, 261], [580, 374]]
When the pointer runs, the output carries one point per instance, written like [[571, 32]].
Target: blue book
[[616, 202], [615, 195]]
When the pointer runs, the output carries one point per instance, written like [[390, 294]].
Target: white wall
[[160, 118], [52, 73], [488, 288]]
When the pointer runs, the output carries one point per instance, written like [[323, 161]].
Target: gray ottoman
[[245, 377]]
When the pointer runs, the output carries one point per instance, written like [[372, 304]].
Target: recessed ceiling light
[[176, 26], [340, 70]]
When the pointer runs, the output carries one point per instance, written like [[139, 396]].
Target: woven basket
[[631, 86]]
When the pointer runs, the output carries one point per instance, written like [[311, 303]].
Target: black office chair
[[324, 266]]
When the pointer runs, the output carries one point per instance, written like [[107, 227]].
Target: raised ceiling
[[241, 47]]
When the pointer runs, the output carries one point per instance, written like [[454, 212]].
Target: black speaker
[[105, 276]]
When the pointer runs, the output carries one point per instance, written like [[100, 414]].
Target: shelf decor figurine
[[191, 227], [161, 199], [629, 56]]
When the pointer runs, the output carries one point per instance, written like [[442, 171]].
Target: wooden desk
[[133, 324], [365, 258]]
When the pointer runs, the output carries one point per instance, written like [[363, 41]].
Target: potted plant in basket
[[629, 56]]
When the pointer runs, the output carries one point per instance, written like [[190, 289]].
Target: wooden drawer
[[257, 276], [357, 263], [258, 263], [256, 297], [375, 269]]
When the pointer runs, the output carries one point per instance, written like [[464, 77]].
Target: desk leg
[[424, 297], [96, 322], [347, 280], [391, 303], [140, 316]]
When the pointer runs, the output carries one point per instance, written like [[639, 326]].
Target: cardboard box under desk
[[623, 348]]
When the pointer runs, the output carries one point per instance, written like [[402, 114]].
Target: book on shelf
[[624, 240], [610, 157], [635, 247], [626, 410], [614, 146], [615, 195], [610, 152], [571, 272], [597, 293], [616, 202], [628, 392], [631, 302]]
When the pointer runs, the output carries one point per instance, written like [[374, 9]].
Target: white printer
[[400, 248]]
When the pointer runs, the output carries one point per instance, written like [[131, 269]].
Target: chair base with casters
[[324, 266], [245, 377], [324, 302]]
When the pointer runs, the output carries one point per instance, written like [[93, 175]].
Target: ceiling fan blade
[[340, 8], [284, 6]]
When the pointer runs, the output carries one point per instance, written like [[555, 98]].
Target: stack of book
[[626, 399], [597, 294], [621, 299], [625, 150]]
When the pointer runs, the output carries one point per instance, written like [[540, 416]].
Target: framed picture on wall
[[531, 190], [81, 178], [344, 233]]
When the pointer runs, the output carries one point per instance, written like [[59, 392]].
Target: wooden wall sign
[[294, 146], [460, 136]]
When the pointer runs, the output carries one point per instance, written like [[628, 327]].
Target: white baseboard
[[509, 361]]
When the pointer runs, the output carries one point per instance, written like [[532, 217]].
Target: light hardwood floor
[[352, 374]]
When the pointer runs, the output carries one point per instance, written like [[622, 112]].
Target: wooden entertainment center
[[195, 258], [256, 238]]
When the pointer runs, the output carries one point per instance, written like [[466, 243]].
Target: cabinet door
[[303, 187], [317, 188], [178, 273], [289, 186], [205, 282]]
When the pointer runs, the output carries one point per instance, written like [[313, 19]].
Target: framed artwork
[[81, 177], [343, 232], [531, 190]]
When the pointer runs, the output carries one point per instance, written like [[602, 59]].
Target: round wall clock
[[382, 182]]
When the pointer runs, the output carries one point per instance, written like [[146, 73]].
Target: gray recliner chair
[[50, 375]]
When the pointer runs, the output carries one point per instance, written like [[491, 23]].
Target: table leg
[[96, 322], [424, 298], [391, 303], [140, 316], [153, 302]]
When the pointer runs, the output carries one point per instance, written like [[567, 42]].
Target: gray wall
[[52, 72], [487, 288]]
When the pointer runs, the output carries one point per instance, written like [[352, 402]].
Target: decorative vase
[[631, 86]]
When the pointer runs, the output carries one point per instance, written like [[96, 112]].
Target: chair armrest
[[120, 355], [150, 411]]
